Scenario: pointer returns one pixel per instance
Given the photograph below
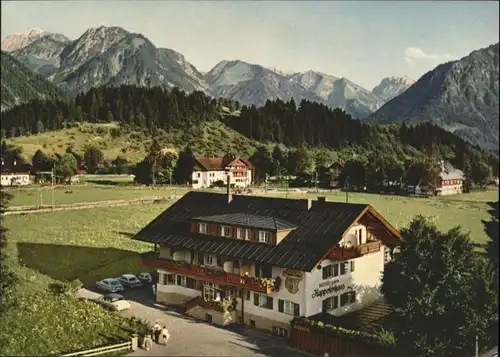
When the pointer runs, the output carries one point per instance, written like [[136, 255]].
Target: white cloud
[[414, 54]]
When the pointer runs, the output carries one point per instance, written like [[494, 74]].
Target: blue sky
[[363, 41]]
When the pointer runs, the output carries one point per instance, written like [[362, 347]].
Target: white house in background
[[15, 178], [210, 171], [451, 181], [262, 261]]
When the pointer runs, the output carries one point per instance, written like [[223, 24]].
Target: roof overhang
[[390, 235]]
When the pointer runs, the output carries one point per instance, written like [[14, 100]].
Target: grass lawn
[[83, 244], [44, 324], [211, 138], [77, 194], [46, 248]]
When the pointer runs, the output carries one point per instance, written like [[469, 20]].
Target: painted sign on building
[[292, 280], [327, 288]]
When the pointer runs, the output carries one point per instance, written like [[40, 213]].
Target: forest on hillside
[[306, 124]]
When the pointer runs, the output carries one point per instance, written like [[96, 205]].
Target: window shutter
[[219, 260], [352, 265], [179, 280], [219, 230], [201, 258], [256, 299], [296, 309], [270, 302], [281, 305], [324, 272], [335, 302]]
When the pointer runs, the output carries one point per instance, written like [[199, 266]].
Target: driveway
[[190, 337]]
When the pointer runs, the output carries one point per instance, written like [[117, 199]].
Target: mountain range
[[114, 56], [461, 96]]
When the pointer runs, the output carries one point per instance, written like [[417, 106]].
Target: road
[[190, 337]]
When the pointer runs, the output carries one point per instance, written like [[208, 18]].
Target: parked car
[[113, 302], [145, 277], [129, 280], [110, 284]]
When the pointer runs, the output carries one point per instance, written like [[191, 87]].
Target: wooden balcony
[[340, 254], [214, 275]]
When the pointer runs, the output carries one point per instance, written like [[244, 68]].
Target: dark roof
[[220, 162], [369, 319], [318, 228], [249, 220]]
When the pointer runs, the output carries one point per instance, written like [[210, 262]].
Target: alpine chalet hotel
[[262, 261]]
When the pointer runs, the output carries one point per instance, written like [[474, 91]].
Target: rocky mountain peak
[[21, 39], [391, 87]]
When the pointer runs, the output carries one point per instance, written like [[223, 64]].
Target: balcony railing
[[215, 275], [354, 252]]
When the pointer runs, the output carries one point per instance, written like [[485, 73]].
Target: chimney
[[307, 203], [322, 199]]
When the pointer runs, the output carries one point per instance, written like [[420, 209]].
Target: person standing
[[165, 335], [148, 342], [157, 331]]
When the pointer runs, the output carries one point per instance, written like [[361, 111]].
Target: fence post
[[135, 342]]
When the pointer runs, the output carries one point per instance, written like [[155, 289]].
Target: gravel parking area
[[196, 338]]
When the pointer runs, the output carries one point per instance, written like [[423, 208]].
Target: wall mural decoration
[[292, 280]]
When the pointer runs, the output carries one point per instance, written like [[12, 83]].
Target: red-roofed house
[[209, 170]]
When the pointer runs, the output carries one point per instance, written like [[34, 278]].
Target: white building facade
[[15, 179], [213, 171], [221, 289]]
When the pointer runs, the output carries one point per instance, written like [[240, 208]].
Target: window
[[330, 303], [169, 279], [247, 295], [288, 307], [198, 175], [230, 294], [190, 283], [330, 271], [181, 280], [344, 268], [327, 272], [208, 317], [262, 300], [347, 298], [202, 228], [387, 255], [209, 259], [263, 237], [238, 233], [247, 234], [280, 331], [210, 291], [225, 231]]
